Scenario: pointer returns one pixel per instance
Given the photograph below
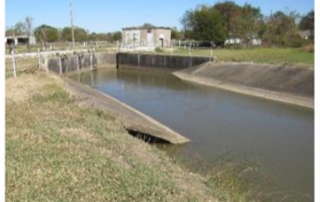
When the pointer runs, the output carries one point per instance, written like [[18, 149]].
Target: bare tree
[[28, 29]]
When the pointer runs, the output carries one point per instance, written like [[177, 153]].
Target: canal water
[[275, 137]]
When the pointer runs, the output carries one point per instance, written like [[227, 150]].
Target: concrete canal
[[276, 137]]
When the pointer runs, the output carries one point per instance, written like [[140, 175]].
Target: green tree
[[19, 28], [10, 31], [46, 33], [240, 21], [147, 25], [80, 34], [204, 24], [175, 33], [307, 23], [281, 28], [231, 14], [248, 23], [117, 36]]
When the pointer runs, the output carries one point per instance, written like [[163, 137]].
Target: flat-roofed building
[[20, 40], [149, 37]]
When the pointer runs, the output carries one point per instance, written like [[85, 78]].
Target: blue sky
[[105, 16]]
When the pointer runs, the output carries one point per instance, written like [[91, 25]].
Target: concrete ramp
[[132, 119], [293, 85]]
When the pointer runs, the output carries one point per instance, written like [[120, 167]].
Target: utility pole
[[72, 28]]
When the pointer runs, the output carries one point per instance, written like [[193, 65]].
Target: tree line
[[227, 20], [49, 34], [207, 23]]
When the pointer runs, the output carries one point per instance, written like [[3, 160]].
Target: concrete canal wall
[[291, 85], [71, 63], [159, 61]]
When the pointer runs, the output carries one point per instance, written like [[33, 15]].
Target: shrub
[[308, 48], [159, 50]]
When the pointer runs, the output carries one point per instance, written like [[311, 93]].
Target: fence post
[[60, 65], [139, 59], [117, 46], [39, 59], [14, 64], [78, 68], [46, 63], [91, 61]]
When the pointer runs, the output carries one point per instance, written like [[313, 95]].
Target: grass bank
[[289, 56], [59, 151]]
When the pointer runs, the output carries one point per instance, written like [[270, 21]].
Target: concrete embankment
[[161, 62], [131, 118], [291, 85], [74, 63]]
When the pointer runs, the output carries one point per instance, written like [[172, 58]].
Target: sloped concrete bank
[[131, 118], [290, 85]]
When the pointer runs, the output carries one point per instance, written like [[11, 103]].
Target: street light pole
[[72, 27]]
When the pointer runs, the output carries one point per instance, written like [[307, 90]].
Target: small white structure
[[305, 34], [233, 41], [146, 38], [22, 39], [256, 42], [238, 41]]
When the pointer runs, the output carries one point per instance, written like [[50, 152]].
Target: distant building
[[146, 37], [305, 34], [20, 40], [238, 41], [256, 42], [233, 41]]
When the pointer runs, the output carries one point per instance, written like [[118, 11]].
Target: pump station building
[[146, 37]]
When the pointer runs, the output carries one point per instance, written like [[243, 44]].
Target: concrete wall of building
[[131, 37], [154, 37], [162, 34], [20, 40]]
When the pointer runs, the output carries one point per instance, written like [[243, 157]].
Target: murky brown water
[[278, 138]]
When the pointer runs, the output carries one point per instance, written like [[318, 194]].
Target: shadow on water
[[256, 148]]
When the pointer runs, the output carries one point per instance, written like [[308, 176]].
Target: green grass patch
[[259, 55]]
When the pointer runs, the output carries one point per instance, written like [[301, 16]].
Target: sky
[[112, 15]]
